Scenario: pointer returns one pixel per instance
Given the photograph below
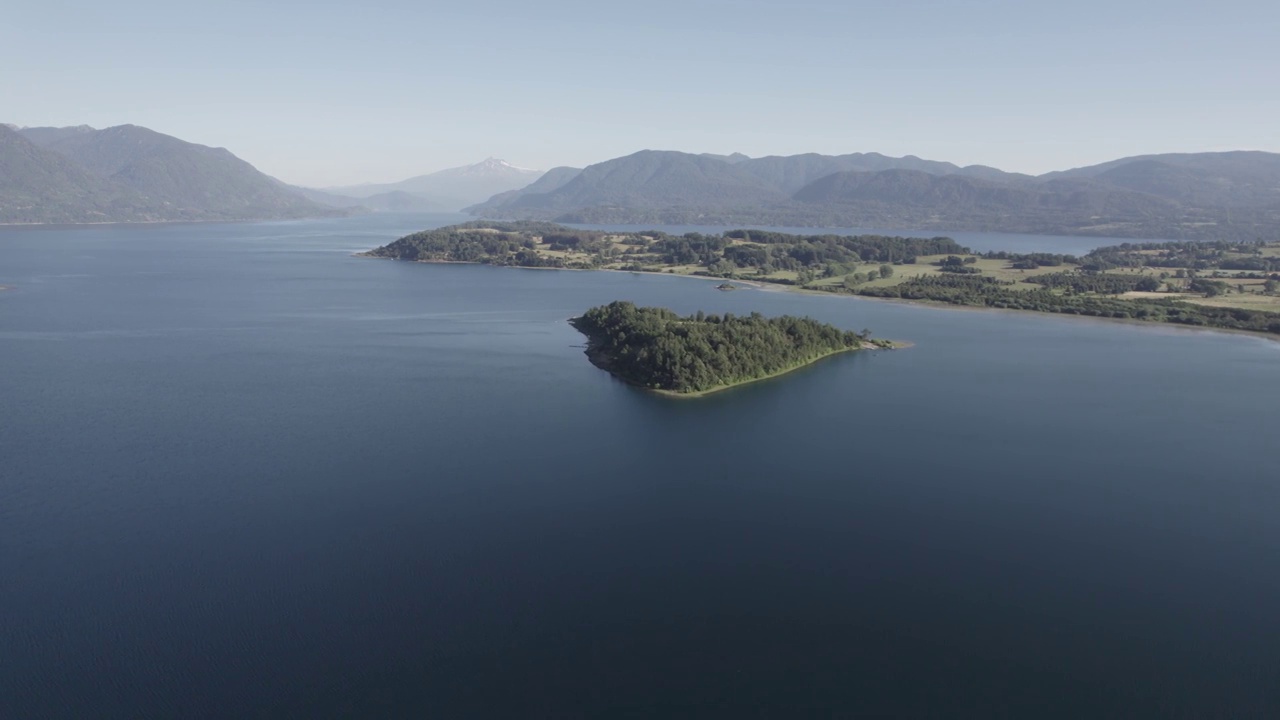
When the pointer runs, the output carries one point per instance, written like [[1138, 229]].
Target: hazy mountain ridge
[[551, 180], [401, 201], [320, 197], [649, 179], [654, 177], [131, 174], [44, 136], [1229, 179], [451, 189], [40, 186], [1206, 195]]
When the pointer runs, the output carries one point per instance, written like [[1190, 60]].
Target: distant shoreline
[[751, 283], [22, 226], [1065, 317], [778, 287]]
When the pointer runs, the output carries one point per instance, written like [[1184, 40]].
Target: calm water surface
[[244, 474]]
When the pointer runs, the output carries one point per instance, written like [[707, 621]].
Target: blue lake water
[[245, 474]]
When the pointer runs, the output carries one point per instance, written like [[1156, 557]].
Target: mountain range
[[1228, 195], [132, 174], [444, 191]]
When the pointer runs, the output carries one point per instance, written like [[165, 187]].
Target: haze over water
[[247, 474]]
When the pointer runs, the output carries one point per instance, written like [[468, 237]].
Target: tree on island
[[656, 348]]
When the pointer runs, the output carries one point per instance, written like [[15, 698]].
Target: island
[[1221, 284], [657, 349]]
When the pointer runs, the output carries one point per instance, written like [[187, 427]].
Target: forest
[[989, 292], [656, 348], [536, 244], [494, 243], [1221, 255]]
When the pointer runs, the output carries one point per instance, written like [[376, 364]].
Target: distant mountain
[[181, 180], [1228, 179], [734, 158], [40, 186], [401, 201], [44, 136], [790, 173], [455, 188], [320, 197], [551, 180], [1209, 195], [651, 186], [647, 179], [917, 198]]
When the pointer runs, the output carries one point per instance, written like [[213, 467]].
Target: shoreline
[[756, 284], [602, 363], [1067, 317], [722, 388], [779, 287], [231, 221]]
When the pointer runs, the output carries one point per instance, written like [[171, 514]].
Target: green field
[[620, 251], [1192, 283]]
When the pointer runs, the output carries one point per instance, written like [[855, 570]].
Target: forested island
[[657, 349], [1228, 285]]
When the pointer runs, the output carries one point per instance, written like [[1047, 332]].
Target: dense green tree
[[1208, 288], [655, 348], [988, 292], [1104, 283]]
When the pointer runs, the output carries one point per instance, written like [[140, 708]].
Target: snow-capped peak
[[493, 163]]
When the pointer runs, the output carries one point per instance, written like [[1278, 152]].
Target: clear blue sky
[[324, 93]]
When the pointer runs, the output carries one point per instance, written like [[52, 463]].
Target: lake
[[245, 474]]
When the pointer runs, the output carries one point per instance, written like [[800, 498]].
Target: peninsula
[[657, 349], [1222, 284]]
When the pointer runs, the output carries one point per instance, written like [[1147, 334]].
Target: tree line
[[516, 243], [983, 291], [1223, 255]]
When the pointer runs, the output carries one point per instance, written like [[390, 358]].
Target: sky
[[327, 93]]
